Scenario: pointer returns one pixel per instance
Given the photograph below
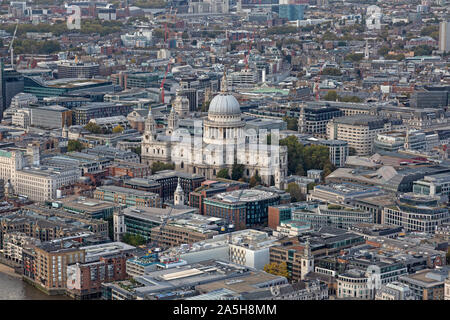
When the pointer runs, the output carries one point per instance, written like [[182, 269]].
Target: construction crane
[[316, 85], [163, 81], [249, 50], [155, 243], [11, 49]]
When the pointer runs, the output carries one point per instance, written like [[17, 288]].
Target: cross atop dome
[[223, 83]]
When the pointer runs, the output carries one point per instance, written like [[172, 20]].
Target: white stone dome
[[224, 104]]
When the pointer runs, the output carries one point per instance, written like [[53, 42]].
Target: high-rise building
[[11, 83], [291, 10], [444, 36]]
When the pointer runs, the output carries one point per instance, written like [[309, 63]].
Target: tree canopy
[[133, 239], [223, 173], [159, 166], [303, 158], [237, 171], [278, 269], [292, 123], [74, 145], [294, 190], [93, 128]]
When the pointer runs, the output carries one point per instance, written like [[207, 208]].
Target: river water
[[13, 288]]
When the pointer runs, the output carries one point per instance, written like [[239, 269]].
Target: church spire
[[178, 197]]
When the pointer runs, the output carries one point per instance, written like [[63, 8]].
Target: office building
[[434, 185], [243, 208], [416, 212], [127, 197], [360, 131], [427, 284], [140, 221], [314, 119], [11, 83], [186, 230], [444, 36], [394, 291], [83, 114], [83, 70], [291, 10], [51, 117]]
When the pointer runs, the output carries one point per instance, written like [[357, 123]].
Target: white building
[[395, 291], [140, 39], [36, 182], [218, 142], [246, 247], [22, 118]]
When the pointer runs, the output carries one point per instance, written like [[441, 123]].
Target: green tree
[[205, 106], [237, 171], [159, 166], [133, 239], [292, 123], [302, 159], [74, 145], [331, 96], [93, 128], [383, 51], [423, 50], [331, 71], [294, 190], [355, 57], [255, 180], [223, 173]]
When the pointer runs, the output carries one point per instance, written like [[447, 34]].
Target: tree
[[331, 96], [355, 57], [331, 71], [351, 151], [383, 51], [292, 123], [118, 129], [74, 145], [328, 168], [205, 106], [423, 50], [159, 166], [302, 159], [278, 269], [255, 180], [223, 173], [93, 128], [133, 239], [237, 171], [294, 190]]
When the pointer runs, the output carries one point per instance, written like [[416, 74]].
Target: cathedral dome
[[224, 104]]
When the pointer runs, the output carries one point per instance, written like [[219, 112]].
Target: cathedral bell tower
[[150, 127], [172, 122]]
